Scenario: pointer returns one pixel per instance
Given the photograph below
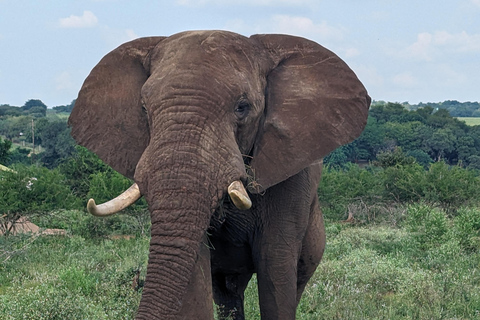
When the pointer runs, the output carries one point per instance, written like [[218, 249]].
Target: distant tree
[[421, 157], [393, 158], [79, 167], [66, 108], [5, 146], [20, 156], [440, 143], [465, 147], [37, 112], [33, 103], [57, 143], [425, 112], [473, 162], [337, 158], [372, 139]]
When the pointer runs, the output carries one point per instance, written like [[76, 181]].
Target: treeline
[[33, 107], [454, 107], [35, 134], [426, 134]]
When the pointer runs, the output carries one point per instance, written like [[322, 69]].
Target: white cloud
[[304, 27], [87, 20], [405, 79], [476, 2], [115, 37], [351, 52], [369, 75], [64, 81], [428, 45]]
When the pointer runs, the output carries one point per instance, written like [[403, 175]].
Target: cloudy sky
[[409, 50]]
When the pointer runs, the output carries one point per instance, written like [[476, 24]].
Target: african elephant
[[193, 119]]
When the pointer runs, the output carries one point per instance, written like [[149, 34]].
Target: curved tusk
[[239, 195], [121, 202]]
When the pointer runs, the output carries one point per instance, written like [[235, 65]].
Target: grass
[[471, 121], [426, 266]]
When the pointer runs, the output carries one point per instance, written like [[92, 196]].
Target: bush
[[403, 183], [451, 187], [466, 228], [31, 190], [429, 226], [341, 187]]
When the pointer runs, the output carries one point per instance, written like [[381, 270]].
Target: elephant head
[[189, 115]]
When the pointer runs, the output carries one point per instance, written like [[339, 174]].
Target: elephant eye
[[242, 109]]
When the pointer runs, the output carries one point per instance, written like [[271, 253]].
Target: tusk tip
[[239, 195], [240, 201], [91, 206]]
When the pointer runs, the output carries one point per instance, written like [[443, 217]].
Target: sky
[[403, 51]]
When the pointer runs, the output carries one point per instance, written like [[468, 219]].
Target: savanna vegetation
[[401, 205]]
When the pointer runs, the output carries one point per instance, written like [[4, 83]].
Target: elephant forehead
[[207, 49]]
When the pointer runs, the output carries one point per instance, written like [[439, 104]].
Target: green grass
[[426, 265], [471, 121], [69, 277]]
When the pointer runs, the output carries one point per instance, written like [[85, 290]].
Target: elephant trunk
[[180, 217], [183, 177]]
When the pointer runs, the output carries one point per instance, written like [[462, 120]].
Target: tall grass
[[421, 263], [70, 277]]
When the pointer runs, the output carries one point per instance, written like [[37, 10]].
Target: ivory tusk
[[121, 202], [239, 195]]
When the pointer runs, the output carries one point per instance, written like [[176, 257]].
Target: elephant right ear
[[107, 117]]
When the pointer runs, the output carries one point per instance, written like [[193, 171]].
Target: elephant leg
[[312, 249], [277, 283], [228, 293], [197, 302], [291, 220]]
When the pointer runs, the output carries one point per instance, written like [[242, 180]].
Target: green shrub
[[32, 190], [428, 226], [403, 183], [466, 228], [451, 187], [341, 187]]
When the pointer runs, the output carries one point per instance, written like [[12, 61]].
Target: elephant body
[[196, 117], [281, 239]]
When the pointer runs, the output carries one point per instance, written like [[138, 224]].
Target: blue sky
[[409, 50]]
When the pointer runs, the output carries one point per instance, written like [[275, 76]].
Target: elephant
[[224, 136]]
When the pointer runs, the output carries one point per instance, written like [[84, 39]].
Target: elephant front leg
[[277, 283], [228, 293]]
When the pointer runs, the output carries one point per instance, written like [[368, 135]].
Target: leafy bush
[[451, 186], [78, 169], [31, 190], [370, 189], [403, 183], [466, 228]]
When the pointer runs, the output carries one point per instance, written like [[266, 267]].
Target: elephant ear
[[314, 103], [107, 117]]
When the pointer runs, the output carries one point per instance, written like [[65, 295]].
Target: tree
[[30, 190], [33, 103], [441, 142], [5, 146], [79, 167], [66, 108], [57, 143]]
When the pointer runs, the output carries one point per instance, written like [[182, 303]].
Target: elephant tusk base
[[113, 206], [239, 195]]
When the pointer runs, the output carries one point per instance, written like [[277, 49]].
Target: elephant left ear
[[314, 104]]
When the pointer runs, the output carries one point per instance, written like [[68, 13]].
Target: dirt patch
[[24, 226]]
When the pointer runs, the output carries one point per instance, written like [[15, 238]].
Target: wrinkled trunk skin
[[182, 175]]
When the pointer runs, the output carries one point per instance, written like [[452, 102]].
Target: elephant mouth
[[236, 191]]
